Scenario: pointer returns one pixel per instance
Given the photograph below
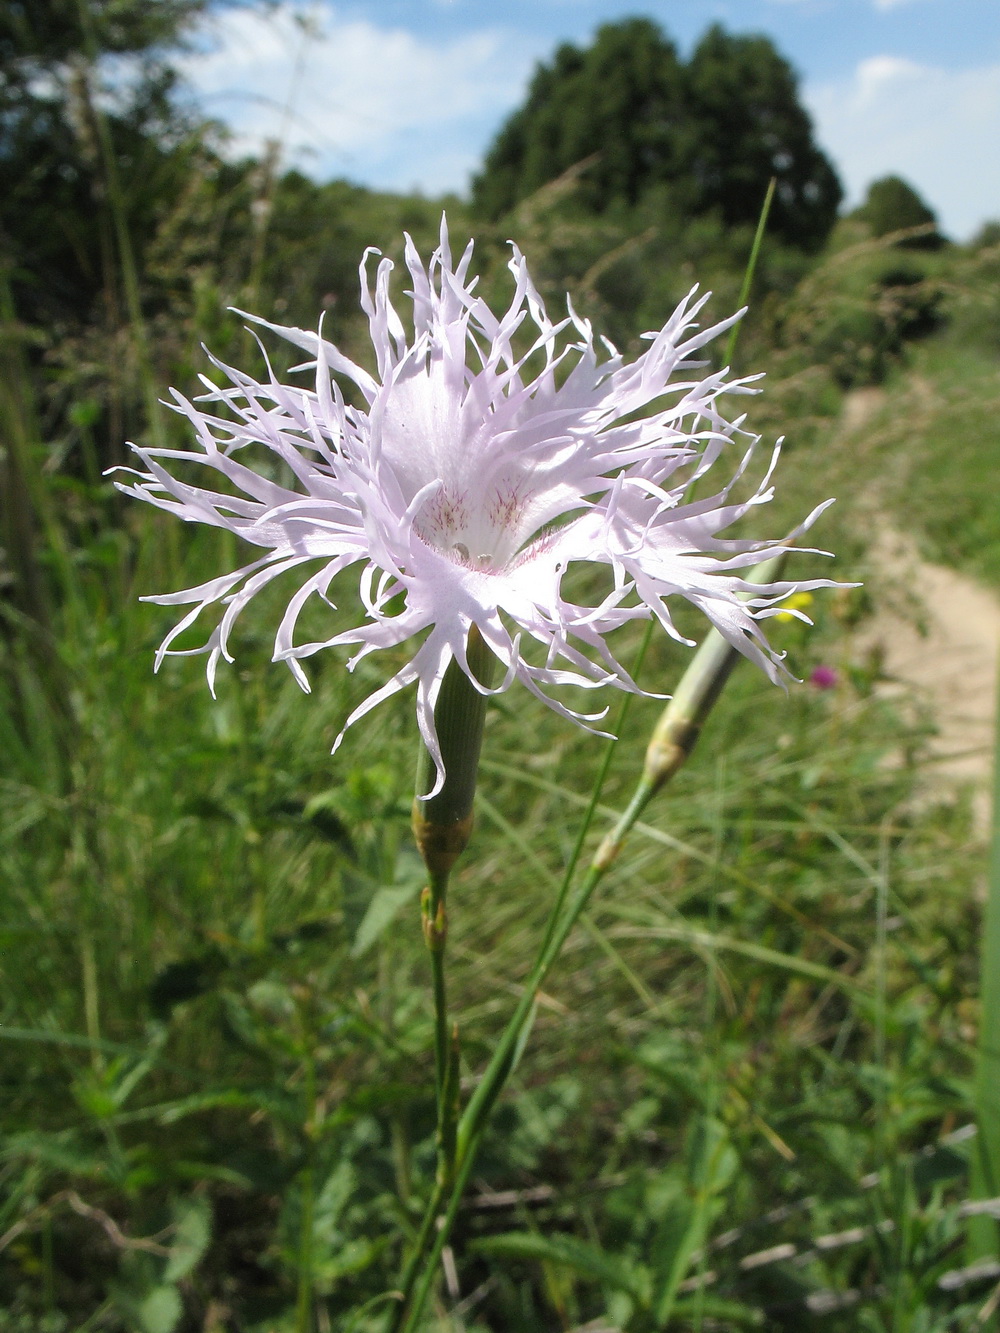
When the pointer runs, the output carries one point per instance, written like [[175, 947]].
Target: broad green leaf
[[386, 905], [192, 1233], [160, 1311]]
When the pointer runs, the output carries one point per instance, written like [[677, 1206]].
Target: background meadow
[[217, 1106]]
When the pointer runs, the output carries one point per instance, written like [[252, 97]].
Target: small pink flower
[[824, 678]]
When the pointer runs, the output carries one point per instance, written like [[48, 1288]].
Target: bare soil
[[937, 632]]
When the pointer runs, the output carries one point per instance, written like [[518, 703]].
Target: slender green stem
[[445, 1223], [420, 1244], [440, 1024], [523, 1011], [442, 826], [671, 744], [473, 1122], [673, 739], [435, 926], [434, 907], [751, 267], [596, 791]]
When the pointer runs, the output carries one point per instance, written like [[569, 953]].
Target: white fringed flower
[[469, 481]]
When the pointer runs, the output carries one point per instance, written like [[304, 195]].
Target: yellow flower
[[797, 602]]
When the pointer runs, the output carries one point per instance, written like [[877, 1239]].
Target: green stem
[[442, 826], [672, 742], [596, 791], [751, 267], [433, 905], [473, 1122], [673, 739], [409, 1274], [462, 1172], [445, 1225]]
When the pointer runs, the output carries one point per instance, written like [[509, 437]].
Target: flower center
[[485, 535]]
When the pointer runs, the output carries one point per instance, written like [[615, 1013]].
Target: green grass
[[936, 443], [217, 1026], [189, 1024]]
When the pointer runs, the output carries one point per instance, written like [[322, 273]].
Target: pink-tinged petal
[[492, 452]]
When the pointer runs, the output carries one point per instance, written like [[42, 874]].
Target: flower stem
[[672, 741], [751, 267], [435, 926], [442, 826]]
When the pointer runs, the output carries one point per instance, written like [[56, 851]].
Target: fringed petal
[[491, 452]]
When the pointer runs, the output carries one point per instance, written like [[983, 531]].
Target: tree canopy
[[62, 132], [621, 98], [893, 205], [48, 31], [714, 130]]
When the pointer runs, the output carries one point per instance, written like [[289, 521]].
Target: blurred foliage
[[893, 205], [41, 34], [858, 309]]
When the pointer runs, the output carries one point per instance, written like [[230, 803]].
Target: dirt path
[[945, 645]]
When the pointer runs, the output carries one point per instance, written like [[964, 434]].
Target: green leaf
[[711, 1164], [160, 1311], [62, 1151], [727, 1314], [337, 1189], [386, 904], [192, 1233], [677, 1238], [712, 1160], [583, 1258]]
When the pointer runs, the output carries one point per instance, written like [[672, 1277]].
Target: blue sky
[[402, 94]]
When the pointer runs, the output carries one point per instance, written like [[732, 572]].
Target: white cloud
[[397, 110], [937, 128], [891, 4], [381, 105]]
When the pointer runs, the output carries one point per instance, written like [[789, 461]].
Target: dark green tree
[[893, 205], [621, 98], [41, 33], [64, 151], [113, 211], [713, 132], [750, 126]]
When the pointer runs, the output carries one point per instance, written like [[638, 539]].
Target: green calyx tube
[[442, 824]]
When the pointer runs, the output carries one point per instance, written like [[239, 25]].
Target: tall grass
[[983, 1235], [202, 1011]]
